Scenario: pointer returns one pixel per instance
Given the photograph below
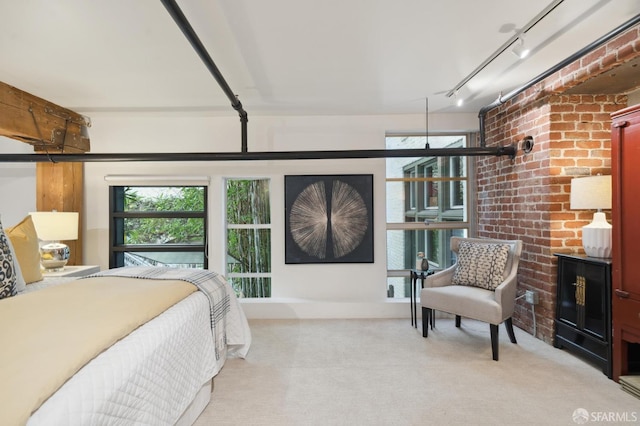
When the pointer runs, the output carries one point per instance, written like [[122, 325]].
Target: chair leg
[[426, 315], [494, 341], [509, 326], [458, 321]]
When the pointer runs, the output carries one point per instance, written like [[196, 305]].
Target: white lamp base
[[596, 237], [54, 256]]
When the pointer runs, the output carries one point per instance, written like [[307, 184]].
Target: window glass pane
[[249, 250], [173, 259], [397, 207], [163, 231], [403, 247], [431, 189], [251, 286], [163, 199], [399, 287], [248, 216], [169, 224], [442, 201], [458, 191], [248, 201], [413, 189], [431, 194]]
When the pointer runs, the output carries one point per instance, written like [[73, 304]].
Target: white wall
[[311, 291], [17, 184]]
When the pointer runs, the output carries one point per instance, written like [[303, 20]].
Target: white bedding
[[151, 376], [47, 282]]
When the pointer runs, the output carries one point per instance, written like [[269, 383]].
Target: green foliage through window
[[162, 226], [248, 213]]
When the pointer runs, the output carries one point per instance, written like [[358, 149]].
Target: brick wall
[[528, 198]]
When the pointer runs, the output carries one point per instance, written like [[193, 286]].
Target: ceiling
[[289, 56]]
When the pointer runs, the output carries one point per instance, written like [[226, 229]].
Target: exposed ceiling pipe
[[509, 150], [244, 155], [504, 98], [191, 35]]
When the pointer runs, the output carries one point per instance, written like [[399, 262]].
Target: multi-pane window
[[248, 227], [158, 226], [427, 203]]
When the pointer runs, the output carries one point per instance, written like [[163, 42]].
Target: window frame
[[117, 216]]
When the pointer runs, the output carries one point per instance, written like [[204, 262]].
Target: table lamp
[[594, 192], [52, 228]]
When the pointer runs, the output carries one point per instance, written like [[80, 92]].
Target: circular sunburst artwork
[[349, 219], [328, 219], [309, 220]]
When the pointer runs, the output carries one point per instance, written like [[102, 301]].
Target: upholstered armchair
[[481, 285]]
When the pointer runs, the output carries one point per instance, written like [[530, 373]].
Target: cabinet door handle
[[621, 293]]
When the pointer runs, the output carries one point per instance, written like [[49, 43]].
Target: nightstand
[[583, 308], [73, 271]]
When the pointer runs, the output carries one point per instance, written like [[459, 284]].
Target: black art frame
[[338, 208]]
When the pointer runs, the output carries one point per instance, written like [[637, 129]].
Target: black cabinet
[[583, 308]]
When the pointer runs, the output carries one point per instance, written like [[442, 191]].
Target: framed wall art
[[328, 218]]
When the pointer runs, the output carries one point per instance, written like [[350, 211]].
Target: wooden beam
[[59, 186], [45, 125]]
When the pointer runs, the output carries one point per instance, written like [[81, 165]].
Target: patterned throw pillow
[[481, 264], [7, 270]]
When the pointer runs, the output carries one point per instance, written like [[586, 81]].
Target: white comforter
[[150, 376]]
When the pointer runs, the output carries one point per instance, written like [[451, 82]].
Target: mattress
[[152, 375]]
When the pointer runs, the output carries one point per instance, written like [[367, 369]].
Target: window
[[248, 227], [427, 203], [158, 226]]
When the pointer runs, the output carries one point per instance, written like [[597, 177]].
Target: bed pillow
[[7, 269], [481, 264], [21, 285], [25, 243]]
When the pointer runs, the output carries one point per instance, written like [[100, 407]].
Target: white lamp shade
[[56, 226], [592, 192]]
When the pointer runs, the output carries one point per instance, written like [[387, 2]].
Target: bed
[[159, 373]]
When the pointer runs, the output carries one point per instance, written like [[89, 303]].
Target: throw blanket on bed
[[48, 335], [210, 283]]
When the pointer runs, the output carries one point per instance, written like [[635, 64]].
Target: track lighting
[[520, 50], [461, 96]]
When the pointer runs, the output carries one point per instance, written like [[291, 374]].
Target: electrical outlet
[[531, 296]]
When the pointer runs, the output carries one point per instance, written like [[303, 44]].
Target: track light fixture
[[461, 96], [516, 38], [520, 50]]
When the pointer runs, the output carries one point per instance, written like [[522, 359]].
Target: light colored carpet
[[383, 372]]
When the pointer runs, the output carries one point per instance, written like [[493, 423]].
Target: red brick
[[529, 198]]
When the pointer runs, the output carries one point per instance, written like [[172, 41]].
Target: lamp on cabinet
[[588, 193], [52, 228]]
